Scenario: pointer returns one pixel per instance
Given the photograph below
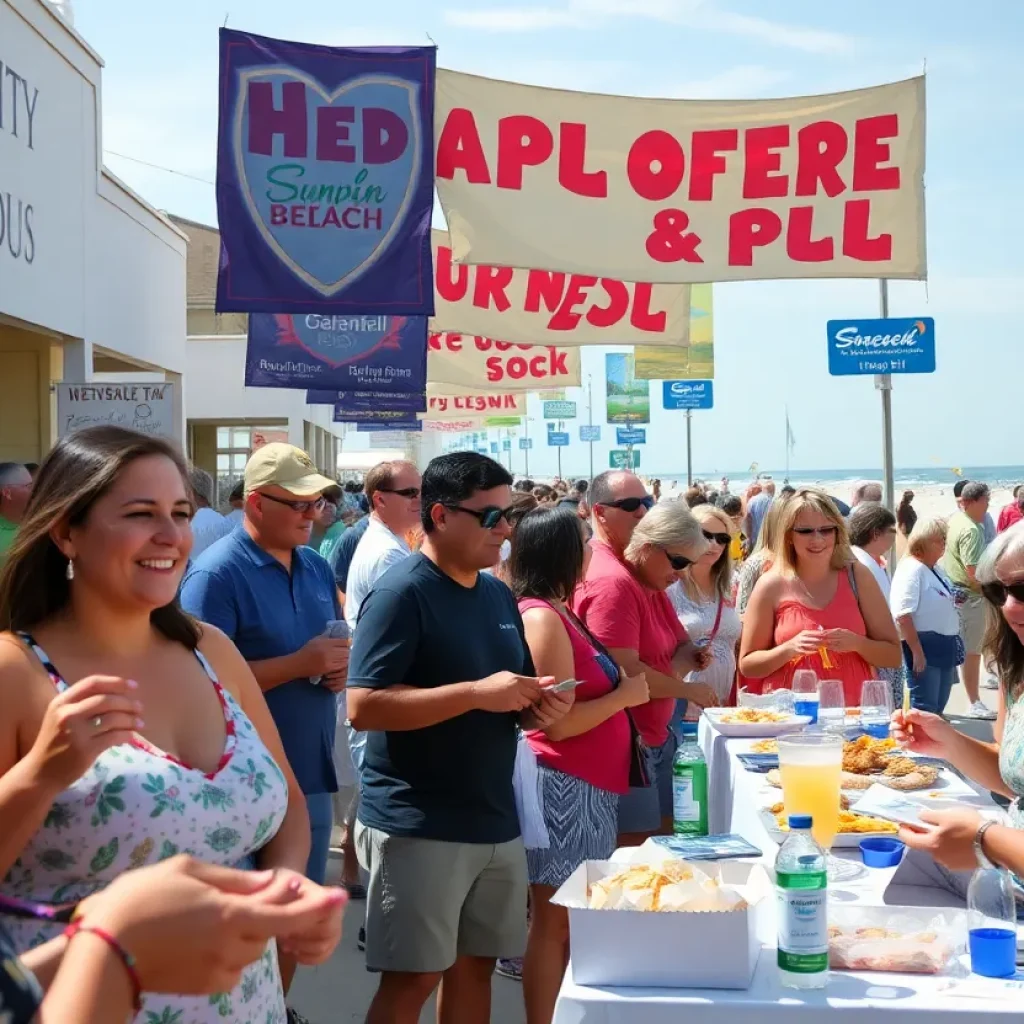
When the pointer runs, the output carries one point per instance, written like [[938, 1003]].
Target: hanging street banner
[[696, 362], [687, 394], [630, 435], [558, 410], [667, 190], [525, 444], [473, 361], [558, 439], [330, 352], [324, 177], [343, 415], [460, 407], [361, 401], [628, 399], [539, 307], [590, 433], [377, 428], [450, 426], [894, 345]]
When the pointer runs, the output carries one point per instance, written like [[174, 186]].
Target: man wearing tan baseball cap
[[274, 596]]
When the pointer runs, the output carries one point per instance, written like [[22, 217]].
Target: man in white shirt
[[208, 525]]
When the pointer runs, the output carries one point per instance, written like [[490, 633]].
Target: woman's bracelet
[[123, 955]]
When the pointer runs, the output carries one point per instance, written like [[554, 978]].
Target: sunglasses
[[297, 506], [997, 592], [405, 492], [630, 504], [678, 562], [717, 538], [820, 531], [489, 516]]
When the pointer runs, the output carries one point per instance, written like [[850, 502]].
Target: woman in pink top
[[583, 759], [817, 608]]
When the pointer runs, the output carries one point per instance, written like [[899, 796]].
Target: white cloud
[[745, 81], [794, 37]]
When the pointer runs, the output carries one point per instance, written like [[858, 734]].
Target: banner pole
[[689, 451], [883, 382], [526, 450], [590, 421]]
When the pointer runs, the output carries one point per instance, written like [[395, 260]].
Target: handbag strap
[[718, 621], [942, 582]]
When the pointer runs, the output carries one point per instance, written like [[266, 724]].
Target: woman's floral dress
[[137, 805]]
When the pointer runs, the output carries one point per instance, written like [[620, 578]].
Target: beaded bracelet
[[123, 955]]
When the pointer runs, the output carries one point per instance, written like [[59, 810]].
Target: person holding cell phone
[[581, 762]]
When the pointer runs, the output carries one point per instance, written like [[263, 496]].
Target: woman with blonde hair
[[702, 598], [817, 608], [760, 559]]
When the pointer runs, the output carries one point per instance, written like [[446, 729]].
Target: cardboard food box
[[671, 949]]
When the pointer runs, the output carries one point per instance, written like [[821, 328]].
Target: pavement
[[340, 991]]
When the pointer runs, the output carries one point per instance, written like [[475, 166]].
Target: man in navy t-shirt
[[440, 678]]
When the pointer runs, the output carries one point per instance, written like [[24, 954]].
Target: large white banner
[[683, 190], [540, 307], [471, 404], [483, 365]]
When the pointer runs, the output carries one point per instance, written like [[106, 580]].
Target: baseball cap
[[285, 466]]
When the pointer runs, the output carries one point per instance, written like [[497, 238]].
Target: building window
[[234, 446]]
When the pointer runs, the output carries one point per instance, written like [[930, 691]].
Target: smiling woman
[[131, 732]]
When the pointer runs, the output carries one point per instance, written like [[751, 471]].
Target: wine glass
[[832, 706], [875, 708], [805, 695]]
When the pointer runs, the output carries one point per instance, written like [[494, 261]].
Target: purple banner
[[376, 428], [337, 353], [342, 415], [325, 178], [369, 400]]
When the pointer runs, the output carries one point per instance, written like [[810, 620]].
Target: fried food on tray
[[667, 886], [897, 766], [850, 823], [753, 716], [765, 747], [866, 754], [922, 777], [844, 804]]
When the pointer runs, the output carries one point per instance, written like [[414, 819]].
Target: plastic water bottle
[[689, 785], [802, 880], [992, 923]]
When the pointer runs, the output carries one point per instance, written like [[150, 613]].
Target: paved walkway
[[339, 992]]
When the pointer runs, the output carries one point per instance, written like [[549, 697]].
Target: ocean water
[[841, 480]]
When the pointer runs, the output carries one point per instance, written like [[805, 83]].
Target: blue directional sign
[[687, 394], [494, 447], [558, 438], [590, 433], [630, 435], [506, 445], [525, 444], [893, 345]]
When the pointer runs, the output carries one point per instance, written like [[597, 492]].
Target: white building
[[92, 279]]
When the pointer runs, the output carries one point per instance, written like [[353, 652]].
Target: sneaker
[[361, 940], [511, 968], [990, 683], [979, 710], [294, 1017]]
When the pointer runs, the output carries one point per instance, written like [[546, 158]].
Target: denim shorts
[[641, 810]]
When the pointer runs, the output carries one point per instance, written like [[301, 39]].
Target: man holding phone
[[441, 678]]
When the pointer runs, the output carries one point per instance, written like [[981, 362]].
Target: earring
[[70, 571]]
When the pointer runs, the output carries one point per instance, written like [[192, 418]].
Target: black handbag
[[641, 769]]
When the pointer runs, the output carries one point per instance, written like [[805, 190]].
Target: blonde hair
[[670, 524], [770, 526], [924, 532], [721, 571], [783, 552]]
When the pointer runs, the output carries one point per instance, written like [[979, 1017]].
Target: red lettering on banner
[[749, 229], [278, 214], [373, 218], [572, 157], [522, 142], [440, 340], [869, 151], [332, 129], [857, 243], [460, 148], [346, 217], [821, 148], [490, 286], [331, 218], [641, 317], [266, 121], [799, 244], [450, 288], [670, 242], [543, 286], [706, 160], [617, 308], [652, 148], [559, 362], [762, 160], [566, 318]]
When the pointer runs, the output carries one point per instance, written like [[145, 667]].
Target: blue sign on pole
[[630, 435], [893, 345], [558, 438], [525, 444], [590, 433], [494, 447], [506, 445], [687, 394]]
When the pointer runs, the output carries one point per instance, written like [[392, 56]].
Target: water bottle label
[[803, 930], [685, 806]]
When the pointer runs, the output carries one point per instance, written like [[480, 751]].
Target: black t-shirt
[[451, 781], [20, 995]]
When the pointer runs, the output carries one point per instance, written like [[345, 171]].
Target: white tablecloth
[[735, 799]]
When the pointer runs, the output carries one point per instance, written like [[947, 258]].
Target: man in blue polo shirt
[[274, 597]]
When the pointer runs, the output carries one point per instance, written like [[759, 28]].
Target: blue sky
[[160, 106]]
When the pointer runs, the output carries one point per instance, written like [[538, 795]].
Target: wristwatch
[[983, 861]]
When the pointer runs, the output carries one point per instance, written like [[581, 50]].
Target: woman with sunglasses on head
[[702, 598], [579, 766], [623, 603], [962, 839], [817, 608]]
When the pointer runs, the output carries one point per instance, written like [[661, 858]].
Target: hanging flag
[[790, 439], [325, 177], [338, 353]]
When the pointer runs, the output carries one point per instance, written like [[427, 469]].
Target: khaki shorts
[[430, 902], [972, 623]]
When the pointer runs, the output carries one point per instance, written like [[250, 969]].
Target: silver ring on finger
[[97, 723]]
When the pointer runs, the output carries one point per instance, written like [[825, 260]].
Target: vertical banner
[[331, 352], [629, 399], [324, 177], [697, 362]]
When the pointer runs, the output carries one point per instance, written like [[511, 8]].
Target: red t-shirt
[[599, 756], [1008, 516], [621, 612]]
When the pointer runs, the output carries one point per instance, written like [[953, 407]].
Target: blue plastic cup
[[881, 853], [993, 952]]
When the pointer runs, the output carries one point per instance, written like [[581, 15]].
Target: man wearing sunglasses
[[619, 501], [273, 596], [441, 676]]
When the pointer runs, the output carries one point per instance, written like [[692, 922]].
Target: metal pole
[[689, 450], [590, 421], [559, 462], [883, 382], [526, 450]]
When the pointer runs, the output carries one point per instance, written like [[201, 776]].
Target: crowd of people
[[481, 680]]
